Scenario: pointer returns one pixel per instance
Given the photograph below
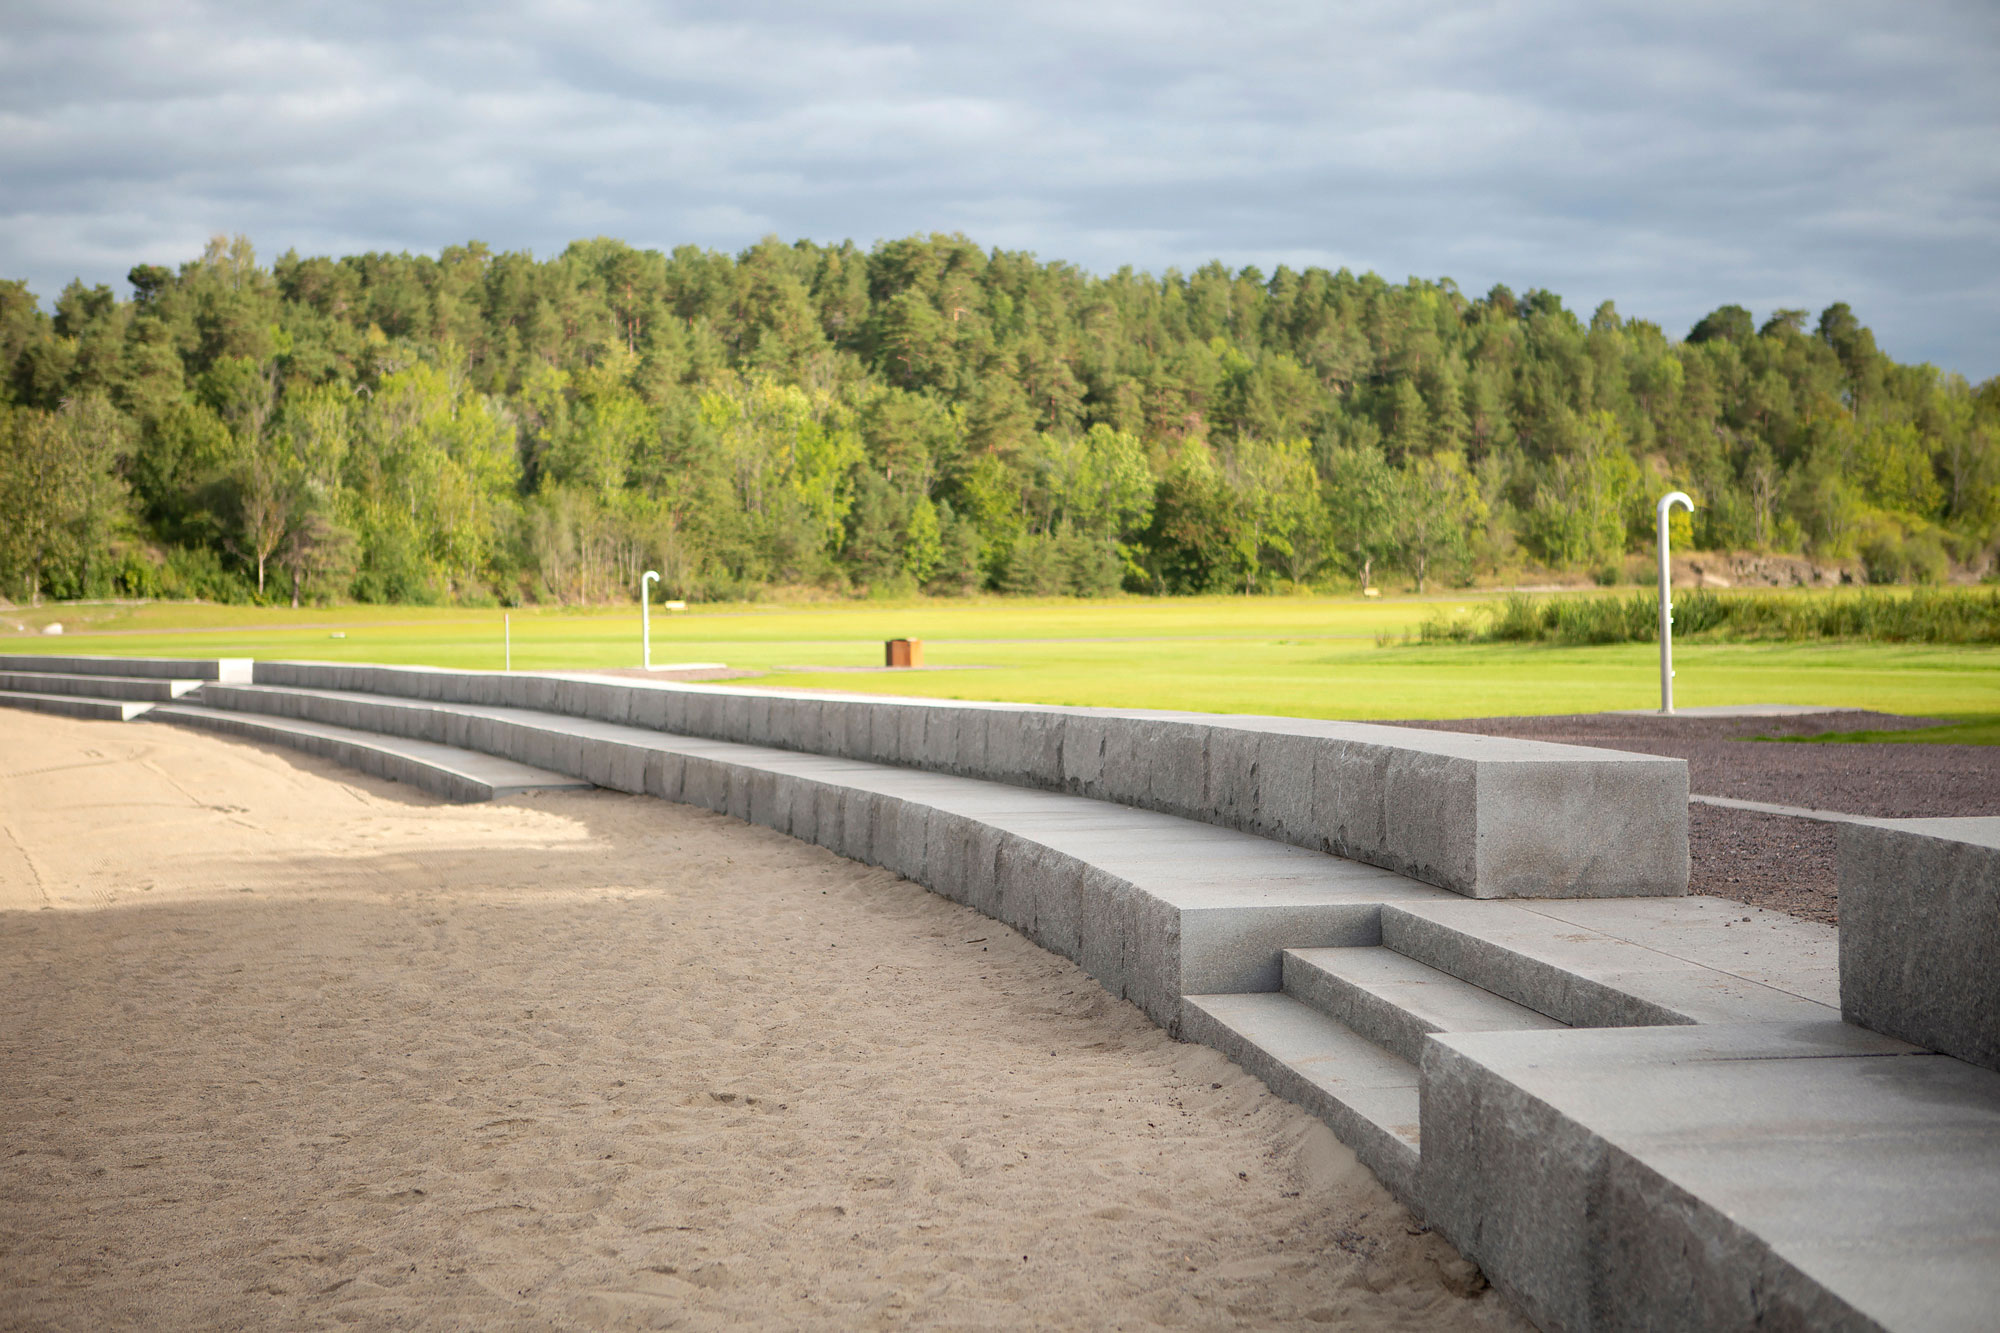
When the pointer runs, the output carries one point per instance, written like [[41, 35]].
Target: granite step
[[1396, 1001], [75, 705], [238, 669], [143, 689], [1633, 965], [1366, 1094], [443, 770]]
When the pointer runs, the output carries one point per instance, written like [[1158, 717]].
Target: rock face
[[1713, 569]]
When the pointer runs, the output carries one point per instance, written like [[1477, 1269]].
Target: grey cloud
[[1669, 157]]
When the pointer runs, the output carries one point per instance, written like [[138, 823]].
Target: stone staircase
[[106, 689], [1345, 1033]]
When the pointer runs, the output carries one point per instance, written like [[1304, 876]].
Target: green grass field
[[1306, 657]]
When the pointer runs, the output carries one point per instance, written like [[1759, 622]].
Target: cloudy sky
[[1670, 157]]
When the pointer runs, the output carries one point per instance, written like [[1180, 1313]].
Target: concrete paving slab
[[1583, 977], [1771, 948], [1766, 1175], [1395, 1001]]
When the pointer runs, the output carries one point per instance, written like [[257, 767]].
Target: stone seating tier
[[1487, 817]]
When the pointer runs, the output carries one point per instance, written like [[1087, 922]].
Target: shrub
[[1924, 615]]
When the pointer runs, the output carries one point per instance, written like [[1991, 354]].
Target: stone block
[[1023, 747], [758, 728], [648, 709], [511, 739], [858, 812], [456, 729], [959, 739], [830, 817], [665, 771], [1085, 739], [569, 694], [946, 845], [1107, 928], [902, 837], [1153, 977], [791, 806], [1350, 802], [628, 771], [1583, 828], [982, 890], [1429, 812], [733, 714], [1018, 865], [701, 714], [1920, 933], [536, 692], [761, 803], [1237, 948], [705, 783], [738, 806], [617, 703], [1761, 1175], [1235, 766], [1057, 883], [1159, 765], [794, 724]]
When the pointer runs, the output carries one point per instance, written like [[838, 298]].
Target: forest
[[929, 416]]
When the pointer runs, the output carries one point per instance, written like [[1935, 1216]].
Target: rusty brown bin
[[903, 653]]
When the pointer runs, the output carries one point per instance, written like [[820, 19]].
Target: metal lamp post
[[646, 618], [1667, 502]]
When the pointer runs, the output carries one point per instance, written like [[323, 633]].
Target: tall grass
[[1923, 615]]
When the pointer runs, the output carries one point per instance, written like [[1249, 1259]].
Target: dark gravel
[[1777, 861]]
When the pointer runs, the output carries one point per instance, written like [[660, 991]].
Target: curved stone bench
[[1487, 817], [175, 668], [1154, 906]]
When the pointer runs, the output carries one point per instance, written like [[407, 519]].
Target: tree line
[[930, 416]]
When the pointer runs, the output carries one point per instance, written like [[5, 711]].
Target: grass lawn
[[1307, 657]]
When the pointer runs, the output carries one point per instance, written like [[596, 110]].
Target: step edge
[[1391, 1156]]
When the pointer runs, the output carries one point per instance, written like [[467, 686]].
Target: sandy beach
[[282, 1046]]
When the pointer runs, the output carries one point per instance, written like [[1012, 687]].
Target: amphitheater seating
[[1631, 1107]]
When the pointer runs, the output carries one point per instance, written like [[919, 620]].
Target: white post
[[646, 620], [1667, 502], [507, 638]]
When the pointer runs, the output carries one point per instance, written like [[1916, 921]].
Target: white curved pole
[[1667, 502], [646, 620]]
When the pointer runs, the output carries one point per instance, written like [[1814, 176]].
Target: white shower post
[[646, 620], [1667, 502]]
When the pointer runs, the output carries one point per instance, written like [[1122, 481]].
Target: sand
[[284, 1046]]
